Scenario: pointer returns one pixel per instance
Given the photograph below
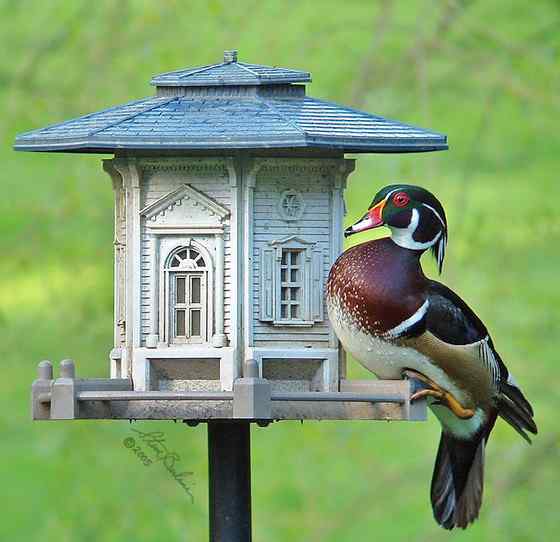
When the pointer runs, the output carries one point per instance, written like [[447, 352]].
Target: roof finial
[[230, 56]]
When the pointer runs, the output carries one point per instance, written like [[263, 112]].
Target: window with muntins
[[291, 283], [187, 295]]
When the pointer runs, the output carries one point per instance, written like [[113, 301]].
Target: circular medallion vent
[[291, 205]]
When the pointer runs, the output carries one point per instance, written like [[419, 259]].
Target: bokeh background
[[484, 72]]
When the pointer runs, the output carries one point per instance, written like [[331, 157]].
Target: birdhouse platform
[[68, 397]]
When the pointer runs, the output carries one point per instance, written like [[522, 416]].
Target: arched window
[[187, 295]]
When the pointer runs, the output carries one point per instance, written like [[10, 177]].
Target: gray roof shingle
[[230, 72], [224, 107]]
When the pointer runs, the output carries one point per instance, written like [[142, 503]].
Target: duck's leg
[[428, 388]]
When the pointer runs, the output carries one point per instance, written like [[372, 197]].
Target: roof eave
[[230, 83], [354, 145], [358, 145]]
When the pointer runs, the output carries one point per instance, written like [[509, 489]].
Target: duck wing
[[451, 320]]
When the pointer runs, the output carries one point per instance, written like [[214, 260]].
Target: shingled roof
[[230, 72], [231, 105]]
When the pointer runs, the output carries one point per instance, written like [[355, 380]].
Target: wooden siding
[[208, 177], [314, 182]]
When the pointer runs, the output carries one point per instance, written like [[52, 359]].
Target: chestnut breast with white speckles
[[375, 286]]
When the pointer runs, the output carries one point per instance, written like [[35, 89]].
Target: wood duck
[[400, 324]]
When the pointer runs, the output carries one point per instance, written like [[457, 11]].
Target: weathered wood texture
[[114, 399]]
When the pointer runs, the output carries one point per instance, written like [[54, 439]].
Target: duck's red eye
[[401, 199]]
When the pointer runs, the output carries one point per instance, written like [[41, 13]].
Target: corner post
[[43, 384], [344, 169], [250, 171], [233, 166], [116, 170], [64, 402]]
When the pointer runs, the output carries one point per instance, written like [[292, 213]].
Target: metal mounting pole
[[229, 481]]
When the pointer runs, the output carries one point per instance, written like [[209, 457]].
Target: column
[[219, 338], [153, 338]]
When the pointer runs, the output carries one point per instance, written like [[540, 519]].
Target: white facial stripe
[[409, 322], [391, 192], [435, 212], [403, 236]]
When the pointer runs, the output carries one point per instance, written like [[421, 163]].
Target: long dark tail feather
[[458, 479], [516, 395], [443, 488], [516, 417], [514, 408]]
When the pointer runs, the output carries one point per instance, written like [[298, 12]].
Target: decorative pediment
[[185, 205], [291, 241]]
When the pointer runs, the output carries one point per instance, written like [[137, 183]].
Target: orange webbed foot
[[431, 389]]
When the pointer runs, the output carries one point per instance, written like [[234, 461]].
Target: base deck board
[[114, 399]]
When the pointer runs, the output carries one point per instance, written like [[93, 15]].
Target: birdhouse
[[229, 206]]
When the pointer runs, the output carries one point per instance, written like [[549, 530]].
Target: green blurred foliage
[[485, 73]]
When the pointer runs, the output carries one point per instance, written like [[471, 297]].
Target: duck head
[[415, 217]]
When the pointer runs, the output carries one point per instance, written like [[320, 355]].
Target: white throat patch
[[404, 236]]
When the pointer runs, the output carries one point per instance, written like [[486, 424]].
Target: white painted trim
[[153, 339], [293, 323], [122, 284], [186, 351], [116, 174], [173, 198], [115, 362], [292, 240], [345, 168], [329, 357], [249, 182], [306, 250], [228, 369], [181, 164], [134, 249], [219, 339], [144, 356], [191, 229], [210, 284], [140, 371], [236, 297]]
